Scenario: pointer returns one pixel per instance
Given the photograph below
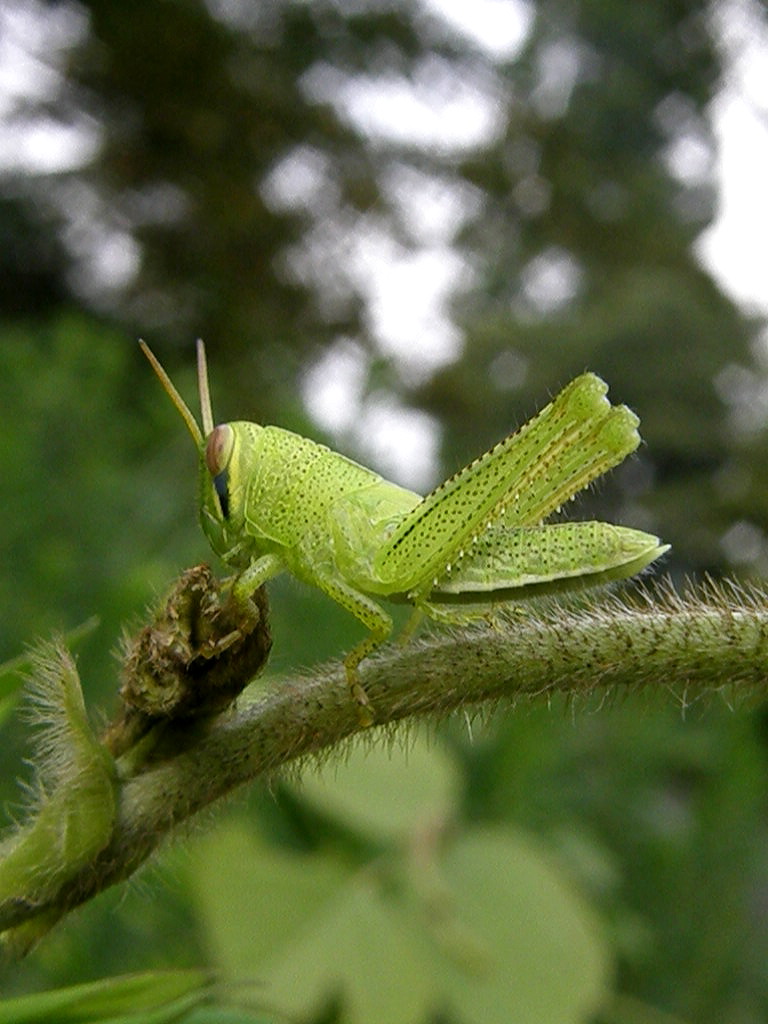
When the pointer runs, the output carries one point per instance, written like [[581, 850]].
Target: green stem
[[712, 641]]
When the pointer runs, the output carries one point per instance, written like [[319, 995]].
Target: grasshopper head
[[214, 445]]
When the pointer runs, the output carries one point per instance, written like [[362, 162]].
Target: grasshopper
[[272, 501]]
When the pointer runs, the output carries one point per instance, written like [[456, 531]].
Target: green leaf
[[489, 930], [225, 1015], [387, 793], [253, 899], [14, 671], [366, 949], [150, 998], [7, 704], [504, 938], [538, 956]]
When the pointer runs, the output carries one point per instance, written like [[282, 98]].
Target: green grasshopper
[[273, 501]]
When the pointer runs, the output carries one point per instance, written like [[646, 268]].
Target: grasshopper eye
[[218, 449]]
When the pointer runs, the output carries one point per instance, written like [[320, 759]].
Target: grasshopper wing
[[523, 561]]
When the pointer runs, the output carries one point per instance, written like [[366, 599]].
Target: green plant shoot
[[273, 501]]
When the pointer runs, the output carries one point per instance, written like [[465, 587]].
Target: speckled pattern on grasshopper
[[273, 501]]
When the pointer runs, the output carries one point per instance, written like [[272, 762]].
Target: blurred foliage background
[[399, 236]]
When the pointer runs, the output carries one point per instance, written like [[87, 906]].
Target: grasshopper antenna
[[204, 390], [176, 398]]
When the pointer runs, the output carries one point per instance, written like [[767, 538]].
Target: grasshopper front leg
[[255, 575]]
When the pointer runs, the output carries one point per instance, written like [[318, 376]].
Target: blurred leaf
[[387, 793], [365, 950], [492, 930], [224, 1015], [151, 998], [7, 704], [508, 939], [544, 959], [253, 899], [14, 670]]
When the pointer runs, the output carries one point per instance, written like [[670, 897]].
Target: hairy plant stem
[[714, 640]]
